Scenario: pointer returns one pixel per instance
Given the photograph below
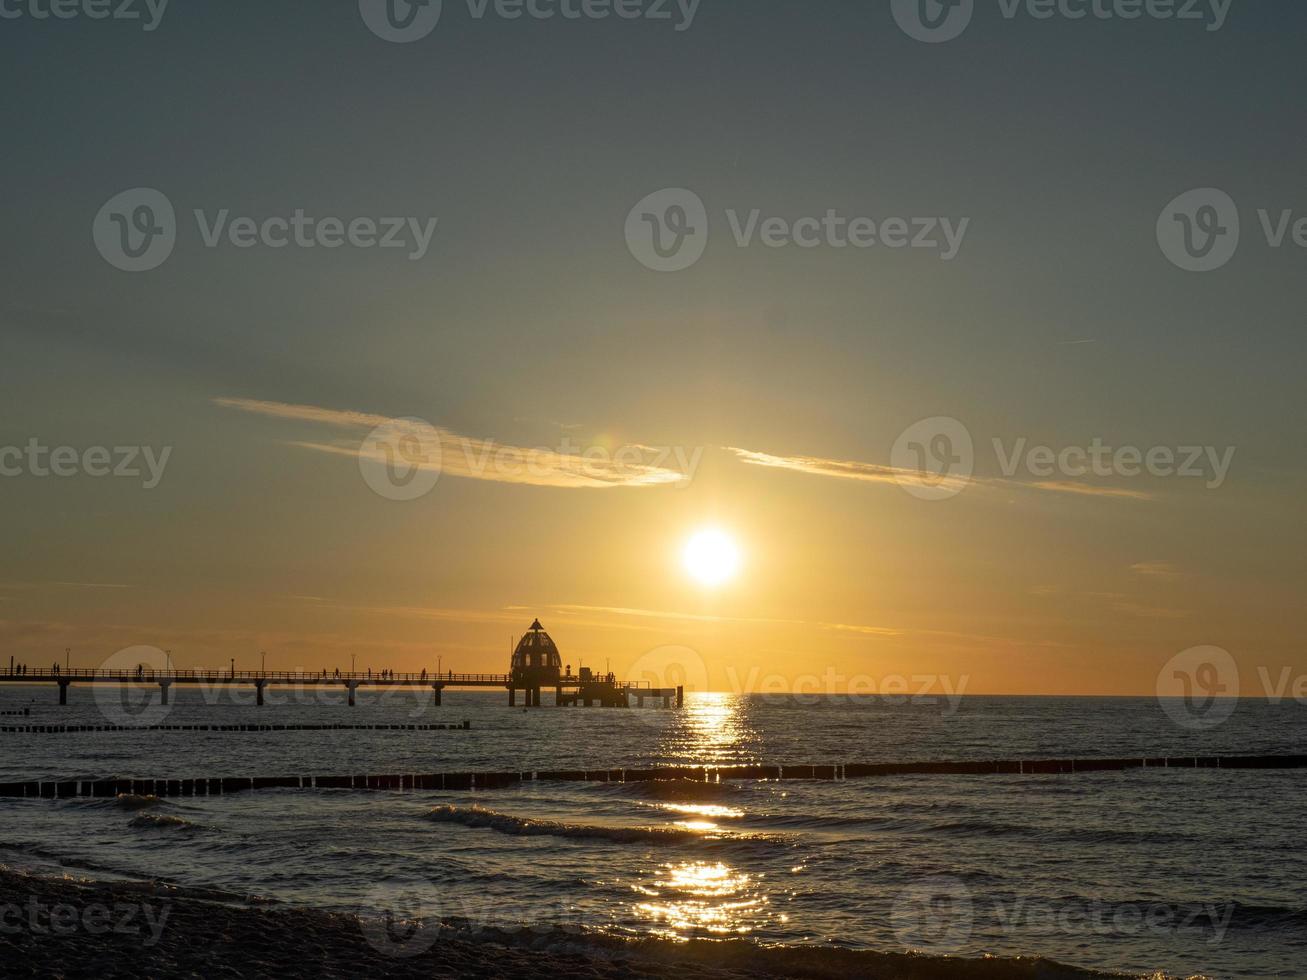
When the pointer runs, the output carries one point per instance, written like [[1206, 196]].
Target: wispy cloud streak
[[844, 469], [486, 459]]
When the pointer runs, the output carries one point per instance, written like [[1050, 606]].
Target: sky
[[778, 392]]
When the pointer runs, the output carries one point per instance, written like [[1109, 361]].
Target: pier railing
[[152, 676]]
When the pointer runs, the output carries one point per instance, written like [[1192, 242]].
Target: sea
[[1156, 871]]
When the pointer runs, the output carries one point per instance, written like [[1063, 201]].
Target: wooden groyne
[[220, 786], [77, 729]]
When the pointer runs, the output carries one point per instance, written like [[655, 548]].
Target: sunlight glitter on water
[[695, 897]]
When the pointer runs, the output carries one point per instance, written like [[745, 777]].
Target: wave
[[130, 801], [1258, 917], [506, 823], [677, 790], [736, 957], [161, 821]]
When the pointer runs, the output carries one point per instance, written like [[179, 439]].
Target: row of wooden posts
[[110, 788], [78, 729]]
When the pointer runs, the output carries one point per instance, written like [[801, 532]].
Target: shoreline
[[70, 927]]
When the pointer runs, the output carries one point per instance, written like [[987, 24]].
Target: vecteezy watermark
[[939, 915], [1199, 688], [1095, 917], [122, 462], [406, 21], [668, 230], [935, 459], [1200, 230], [666, 668], [140, 698], [39, 918], [403, 459], [401, 918], [935, 915], [148, 12], [936, 21], [1206, 463], [831, 685], [137, 230]]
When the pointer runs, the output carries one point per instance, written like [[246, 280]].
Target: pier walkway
[[568, 690]]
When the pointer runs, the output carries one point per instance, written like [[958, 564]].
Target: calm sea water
[[1187, 872]]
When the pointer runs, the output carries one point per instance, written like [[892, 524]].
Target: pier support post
[[680, 695], [258, 692], [558, 697], [63, 692], [512, 697], [436, 701], [164, 688], [352, 688]]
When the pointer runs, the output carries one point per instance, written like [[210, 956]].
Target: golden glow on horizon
[[712, 557]]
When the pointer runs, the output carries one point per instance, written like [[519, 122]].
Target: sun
[[712, 557]]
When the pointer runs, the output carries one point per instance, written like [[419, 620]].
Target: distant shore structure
[[536, 665]]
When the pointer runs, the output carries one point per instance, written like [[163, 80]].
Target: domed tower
[[536, 662]]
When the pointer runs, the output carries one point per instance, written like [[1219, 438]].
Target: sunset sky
[[782, 376]]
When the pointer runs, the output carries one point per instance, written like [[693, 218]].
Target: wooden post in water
[[352, 686], [258, 688], [63, 692], [163, 691], [436, 701], [512, 697]]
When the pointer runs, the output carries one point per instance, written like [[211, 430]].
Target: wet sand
[[66, 927]]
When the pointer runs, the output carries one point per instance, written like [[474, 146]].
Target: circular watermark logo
[[1199, 687], [400, 459], [402, 917], [933, 459], [665, 668], [668, 230], [933, 21], [1199, 230], [138, 698], [401, 21], [136, 230], [935, 915]]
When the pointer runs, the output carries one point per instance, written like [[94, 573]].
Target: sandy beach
[[65, 927]]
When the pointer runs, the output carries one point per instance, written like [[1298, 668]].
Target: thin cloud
[[1164, 570], [842, 469], [878, 473], [479, 459], [737, 620], [1084, 489], [64, 585]]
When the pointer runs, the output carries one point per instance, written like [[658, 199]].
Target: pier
[[535, 667]]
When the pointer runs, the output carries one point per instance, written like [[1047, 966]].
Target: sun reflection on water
[[704, 899], [711, 730], [694, 898], [704, 810]]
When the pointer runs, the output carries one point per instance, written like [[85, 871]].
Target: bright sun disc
[[711, 557]]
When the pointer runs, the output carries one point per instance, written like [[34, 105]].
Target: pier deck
[[569, 690]]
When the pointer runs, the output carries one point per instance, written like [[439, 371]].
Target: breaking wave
[[506, 823]]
